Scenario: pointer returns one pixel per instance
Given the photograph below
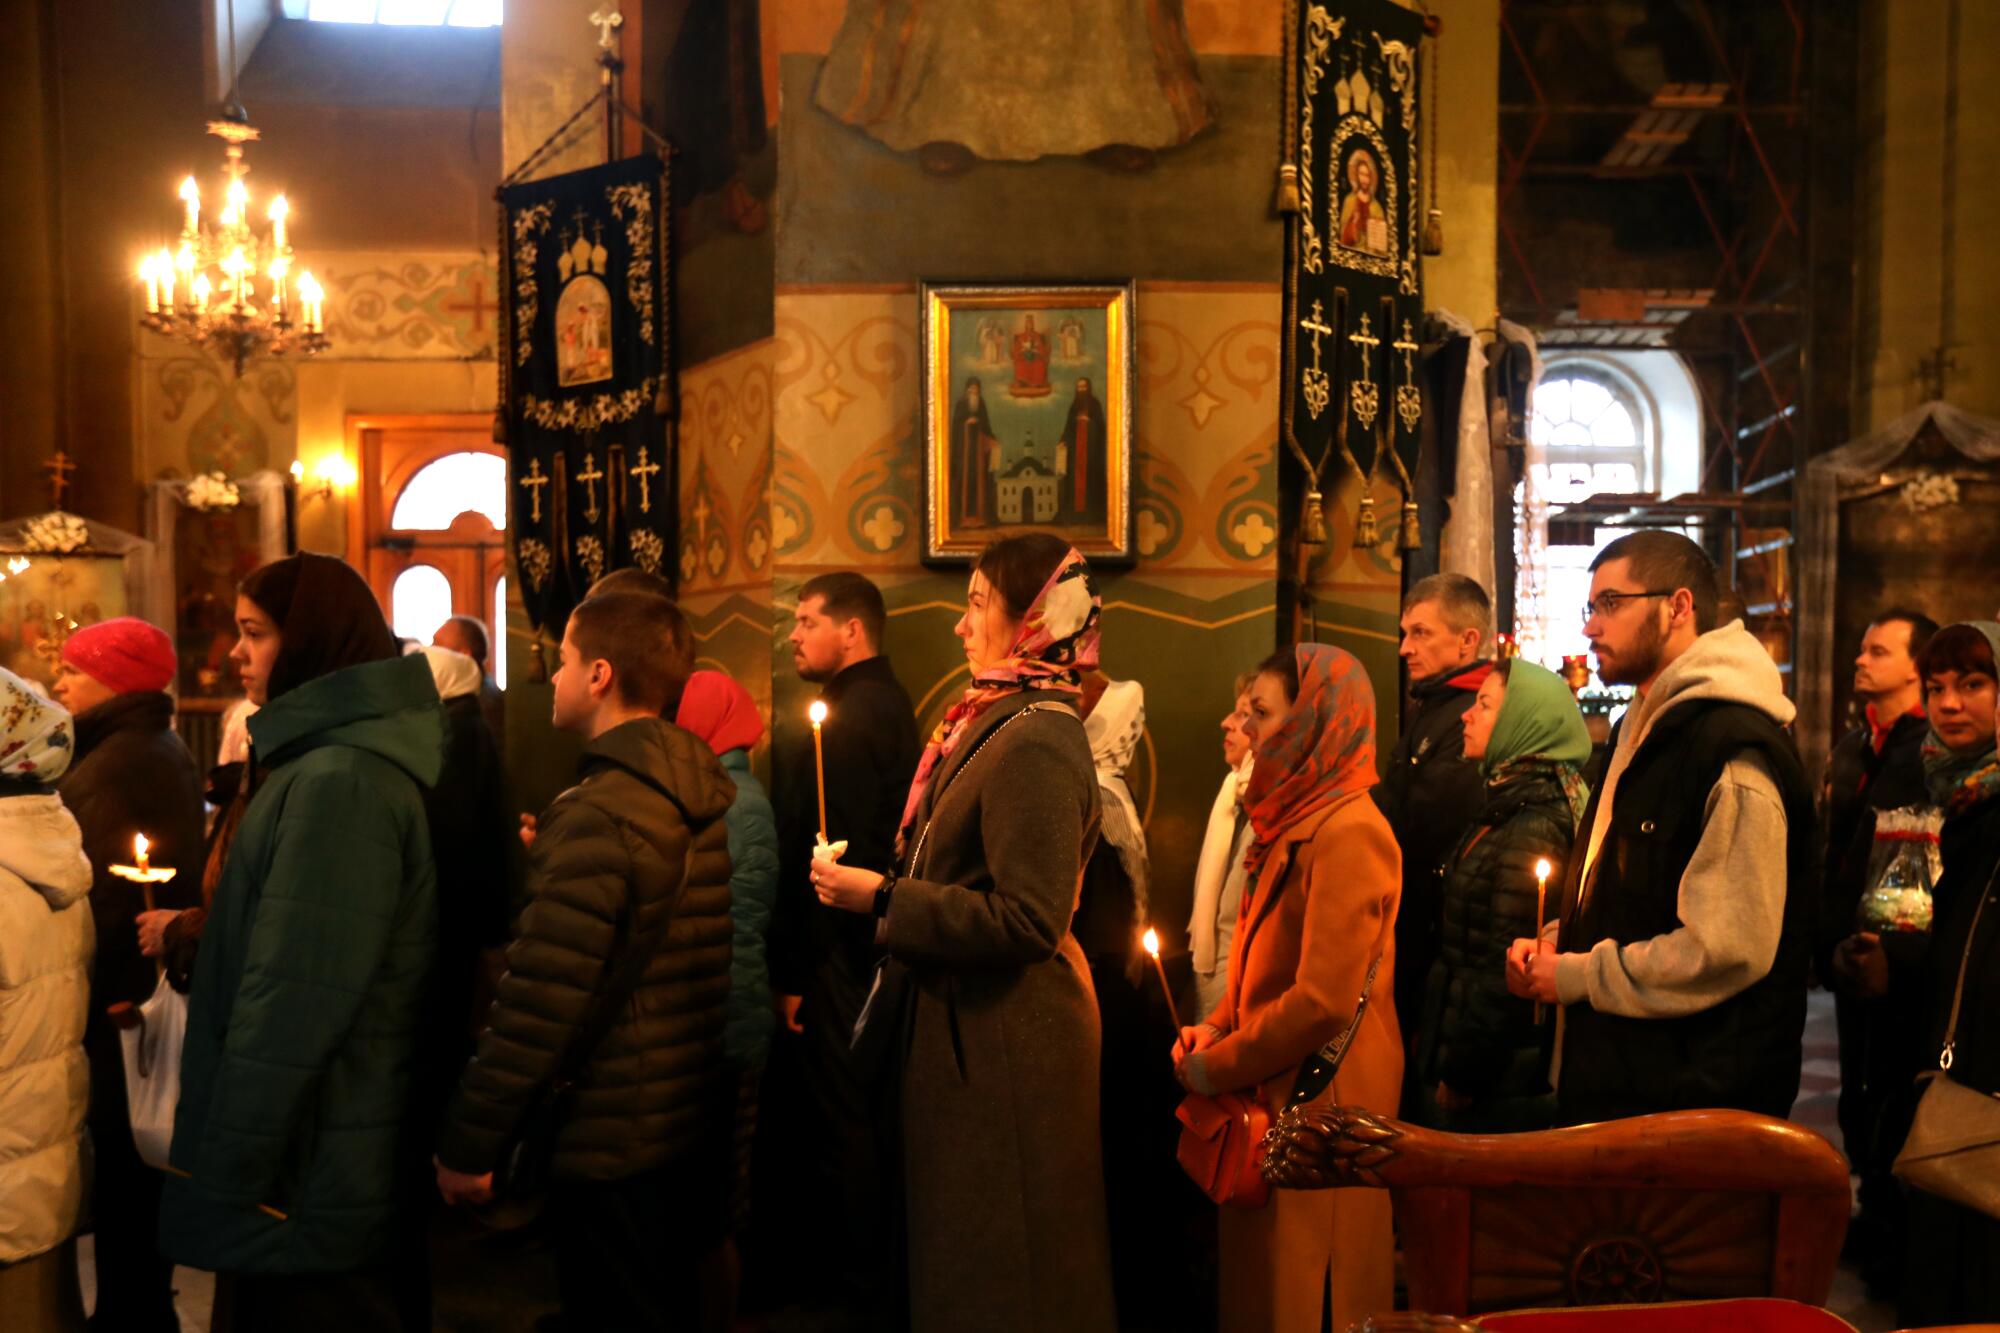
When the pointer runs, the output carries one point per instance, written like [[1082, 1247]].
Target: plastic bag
[[152, 1047], [1904, 866]]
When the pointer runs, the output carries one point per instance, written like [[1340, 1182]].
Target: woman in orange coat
[[1326, 877]]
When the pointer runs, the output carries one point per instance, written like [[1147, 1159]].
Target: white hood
[[41, 843], [1727, 665], [455, 674]]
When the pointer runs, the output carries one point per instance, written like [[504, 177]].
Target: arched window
[[450, 486], [423, 13], [419, 602], [496, 637], [1602, 423]]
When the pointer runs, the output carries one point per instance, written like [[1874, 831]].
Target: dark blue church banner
[[1353, 280], [586, 380]]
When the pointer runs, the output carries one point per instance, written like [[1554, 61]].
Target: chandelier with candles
[[228, 286]]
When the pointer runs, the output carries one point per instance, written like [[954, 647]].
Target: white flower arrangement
[[210, 491], [1933, 490], [55, 532]]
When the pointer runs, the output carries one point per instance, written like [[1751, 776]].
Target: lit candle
[[163, 265], [201, 292], [236, 204], [149, 273], [184, 261], [191, 196], [145, 874], [818, 715], [279, 208], [1151, 940], [1542, 869], [310, 294], [142, 850], [235, 266]]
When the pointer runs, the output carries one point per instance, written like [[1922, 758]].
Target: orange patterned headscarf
[[1320, 752]]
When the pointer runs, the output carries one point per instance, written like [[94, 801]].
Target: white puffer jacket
[[46, 942]]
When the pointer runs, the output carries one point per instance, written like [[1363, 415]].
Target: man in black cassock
[[823, 960], [1082, 490]]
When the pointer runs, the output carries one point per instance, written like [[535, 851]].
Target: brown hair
[[1284, 664], [646, 640], [474, 630], [1018, 567], [1244, 680], [845, 595], [1667, 562], [1960, 649], [1922, 628], [630, 579]]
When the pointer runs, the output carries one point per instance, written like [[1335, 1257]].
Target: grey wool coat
[[1003, 1168]]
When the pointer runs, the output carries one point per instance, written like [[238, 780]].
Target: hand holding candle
[[1542, 869], [145, 874]]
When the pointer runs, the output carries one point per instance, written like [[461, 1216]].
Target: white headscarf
[[1113, 729], [1211, 868], [455, 674], [36, 741]]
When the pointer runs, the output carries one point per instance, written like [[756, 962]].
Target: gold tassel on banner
[[1434, 233], [1413, 532], [1312, 530], [538, 666], [1366, 534], [1288, 188]]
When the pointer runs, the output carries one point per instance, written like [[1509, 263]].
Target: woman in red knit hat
[[131, 775]]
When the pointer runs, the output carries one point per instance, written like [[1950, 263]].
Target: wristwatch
[[882, 893]]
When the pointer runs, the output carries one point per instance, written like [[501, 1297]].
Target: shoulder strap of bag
[[1958, 991], [1318, 1071], [639, 951]]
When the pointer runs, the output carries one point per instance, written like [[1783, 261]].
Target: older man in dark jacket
[[1429, 790], [634, 856], [132, 776]]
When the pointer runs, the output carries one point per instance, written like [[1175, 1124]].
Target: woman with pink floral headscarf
[[998, 1034]]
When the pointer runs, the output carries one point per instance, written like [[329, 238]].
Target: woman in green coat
[[1482, 1060], [298, 1175]]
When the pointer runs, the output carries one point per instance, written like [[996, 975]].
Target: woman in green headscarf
[[1482, 1059]]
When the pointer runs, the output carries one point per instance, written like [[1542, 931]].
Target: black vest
[[1743, 1053]]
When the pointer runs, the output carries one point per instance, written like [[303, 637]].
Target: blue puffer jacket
[[293, 1145], [753, 889]]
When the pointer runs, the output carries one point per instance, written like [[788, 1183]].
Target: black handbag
[[521, 1177]]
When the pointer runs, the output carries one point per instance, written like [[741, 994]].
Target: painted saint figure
[[1364, 222], [1083, 452], [992, 343], [1031, 361], [973, 453]]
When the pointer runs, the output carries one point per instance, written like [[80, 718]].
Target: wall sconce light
[[333, 472]]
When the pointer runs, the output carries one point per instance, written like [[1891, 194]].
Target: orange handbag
[[1222, 1146], [1222, 1137]]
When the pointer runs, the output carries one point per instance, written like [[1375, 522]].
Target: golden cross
[[1407, 348], [607, 25], [701, 511], [1369, 342], [644, 471], [1318, 327], [590, 476], [59, 468], [534, 482]]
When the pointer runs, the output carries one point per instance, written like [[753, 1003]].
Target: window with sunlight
[[1593, 436], [496, 653], [419, 602], [447, 487], [408, 13]]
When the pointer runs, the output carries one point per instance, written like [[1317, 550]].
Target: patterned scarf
[[1958, 781], [1320, 752], [1056, 643], [1567, 775], [35, 734]]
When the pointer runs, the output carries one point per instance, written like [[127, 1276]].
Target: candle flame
[[149, 268], [309, 288], [140, 847], [1151, 940], [279, 208], [1542, 868], [189, 190], [817, 712]]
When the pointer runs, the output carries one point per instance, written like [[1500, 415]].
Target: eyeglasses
[[1606, 603]]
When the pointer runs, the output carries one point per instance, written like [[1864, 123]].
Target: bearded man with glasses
[[1680, 955]]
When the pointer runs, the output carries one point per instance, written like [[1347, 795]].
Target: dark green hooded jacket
[[307, 1002]]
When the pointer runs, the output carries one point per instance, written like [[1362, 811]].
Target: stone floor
[[491, 1284]]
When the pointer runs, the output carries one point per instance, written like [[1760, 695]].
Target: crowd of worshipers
[[892, 1061]]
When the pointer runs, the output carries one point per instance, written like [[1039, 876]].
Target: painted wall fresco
[[1195, 609]]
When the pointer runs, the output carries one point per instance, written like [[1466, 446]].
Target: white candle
[[201, 292], [818, 715], [149, 273], [163, 265], [191, 196], [279, 208]]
